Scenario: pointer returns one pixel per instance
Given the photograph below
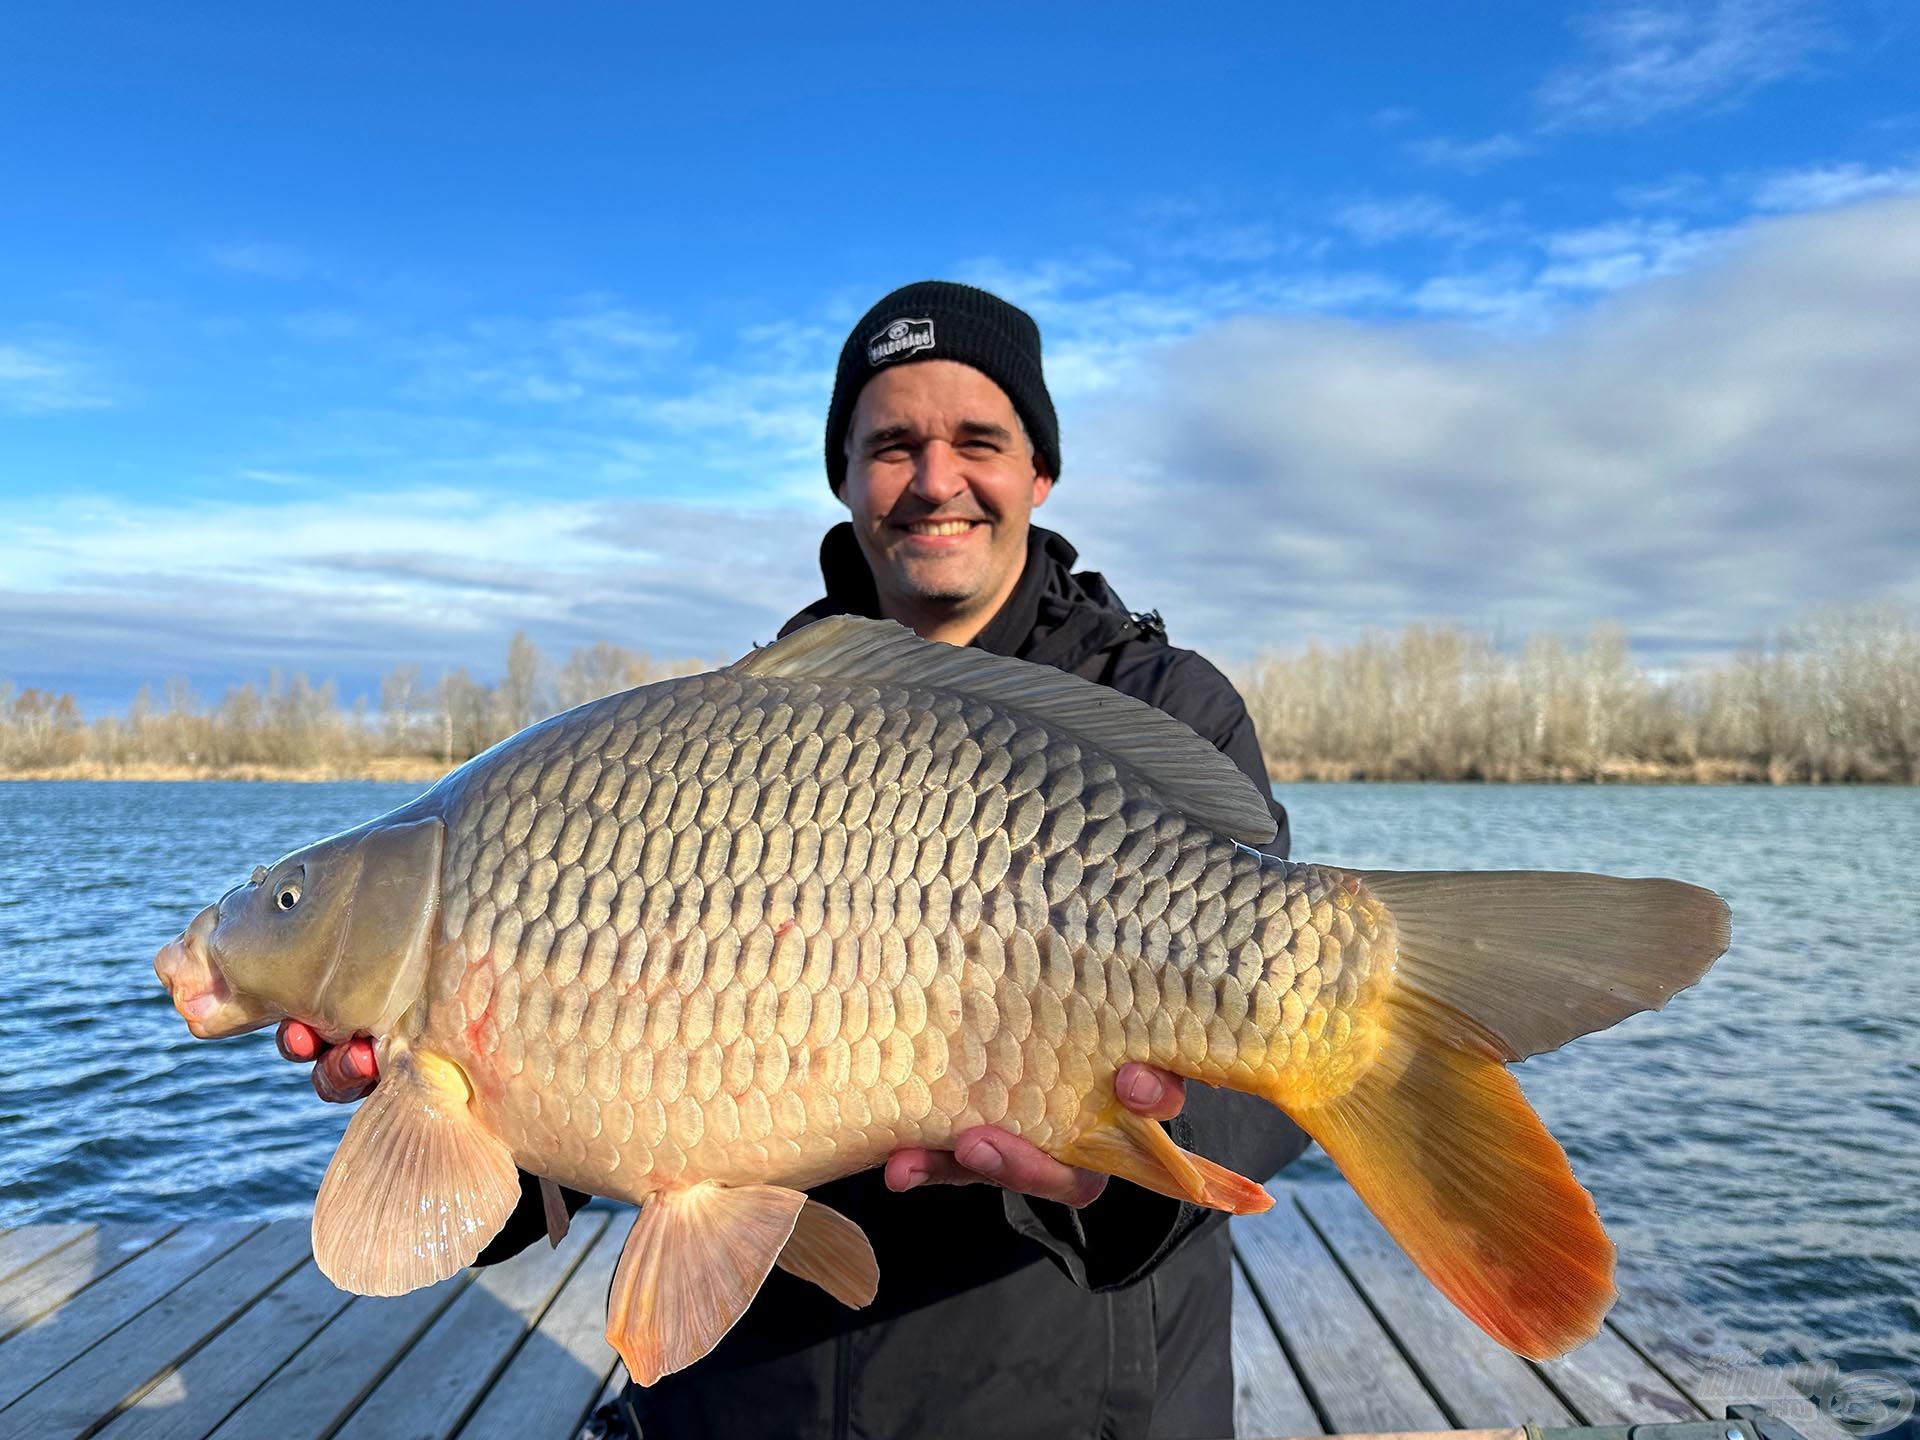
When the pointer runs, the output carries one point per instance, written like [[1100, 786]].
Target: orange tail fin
[[1437, 1139]]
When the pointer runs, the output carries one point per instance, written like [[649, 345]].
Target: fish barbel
[[707, 943]]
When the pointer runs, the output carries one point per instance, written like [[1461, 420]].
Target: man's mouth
[[936, 528]]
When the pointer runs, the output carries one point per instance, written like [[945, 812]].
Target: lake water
[[1758, 1142]]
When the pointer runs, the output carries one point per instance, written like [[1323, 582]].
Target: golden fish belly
[[743, 930]]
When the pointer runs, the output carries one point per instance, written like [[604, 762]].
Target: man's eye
[[287, 896]]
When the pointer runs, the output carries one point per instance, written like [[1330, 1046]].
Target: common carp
[[707, 943]]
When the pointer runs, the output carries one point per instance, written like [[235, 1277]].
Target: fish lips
[[187, 967]]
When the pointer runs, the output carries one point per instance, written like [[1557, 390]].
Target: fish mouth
[[199, 991]]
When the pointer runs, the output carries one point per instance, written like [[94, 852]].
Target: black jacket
[[997, 1314]]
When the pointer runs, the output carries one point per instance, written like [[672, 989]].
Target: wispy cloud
[[35, 379], [262, 258], [1644, 61], [1624, 253], [1382, 221], [1820, 187], [345, 583], [1469, 157]]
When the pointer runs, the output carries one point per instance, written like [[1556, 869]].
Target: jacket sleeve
[[1129, 1232]]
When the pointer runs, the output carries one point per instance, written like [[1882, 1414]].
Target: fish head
[[336, 935]]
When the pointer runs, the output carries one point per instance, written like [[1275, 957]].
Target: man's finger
[[912, 1167], [346, 1072], [1156, 1094], [297, 1041], [1019, 1165]]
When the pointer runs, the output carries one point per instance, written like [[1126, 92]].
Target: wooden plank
[[549, 1385], [20, 1248], [1608, 1383], [103, 1307], [195, 1397], [1267, 1398], [1478, 1381], [120, 1369], [428, 1394], [50, 1284], [1713, 1369], [325, 1381], [1347, 1363]]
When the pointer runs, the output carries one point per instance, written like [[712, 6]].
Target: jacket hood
[[1056, 615]]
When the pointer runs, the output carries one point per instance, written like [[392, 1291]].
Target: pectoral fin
[[1119, 1142], [832, 1252], [418, 1186], [693, 1262]]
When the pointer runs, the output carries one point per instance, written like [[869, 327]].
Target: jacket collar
[[1055, 616]]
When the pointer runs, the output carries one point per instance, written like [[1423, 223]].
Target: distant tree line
[[1833, 698], [1836, 697], [294, 724]]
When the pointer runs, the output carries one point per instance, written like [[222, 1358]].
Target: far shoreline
[[418, 771]]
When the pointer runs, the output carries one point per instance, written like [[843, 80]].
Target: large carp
[[712, 941]]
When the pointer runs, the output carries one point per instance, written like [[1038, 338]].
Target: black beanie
[[939, 320]]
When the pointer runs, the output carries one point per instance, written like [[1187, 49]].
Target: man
[[1018, 1296]]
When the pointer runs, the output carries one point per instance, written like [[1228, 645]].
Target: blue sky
[[337, 337]]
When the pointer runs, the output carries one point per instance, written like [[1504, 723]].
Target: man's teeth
[[940, 527]]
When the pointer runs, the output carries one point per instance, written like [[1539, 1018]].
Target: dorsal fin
[[1190, 775]]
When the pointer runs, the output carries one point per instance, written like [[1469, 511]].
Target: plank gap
[[1300, 1372], [135, 1396], [1392, 1331]]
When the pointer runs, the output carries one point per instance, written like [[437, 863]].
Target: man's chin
[[935, 591]]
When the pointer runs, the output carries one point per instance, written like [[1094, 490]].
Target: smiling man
[[1018, 1296]]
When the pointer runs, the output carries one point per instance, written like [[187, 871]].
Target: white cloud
[[1630, 252], [1648, 60], [595, 350], [262, 258], [1469, 157], [36, 378], [1699, 456], [334, 582], [1409, 217], [1820, 187]]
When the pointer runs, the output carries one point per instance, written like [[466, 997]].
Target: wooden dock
[[227, 1330]]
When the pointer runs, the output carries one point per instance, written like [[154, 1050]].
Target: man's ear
[[1042, 487]]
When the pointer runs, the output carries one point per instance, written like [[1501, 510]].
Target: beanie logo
[[899, 340]]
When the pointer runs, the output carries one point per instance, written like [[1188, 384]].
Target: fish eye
[[287, 896]]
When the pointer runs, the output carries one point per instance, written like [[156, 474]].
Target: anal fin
[[554, 1206], [832, 1252], [417, 1186], [1119, 1142], [693, 1262]]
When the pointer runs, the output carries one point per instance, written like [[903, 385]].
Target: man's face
[[941, 484]]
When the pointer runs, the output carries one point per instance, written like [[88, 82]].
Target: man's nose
[[938, 474]]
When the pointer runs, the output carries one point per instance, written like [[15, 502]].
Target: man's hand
[[989, 1154], [341, 1073]]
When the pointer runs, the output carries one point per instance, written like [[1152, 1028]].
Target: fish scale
[[726, 928]]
